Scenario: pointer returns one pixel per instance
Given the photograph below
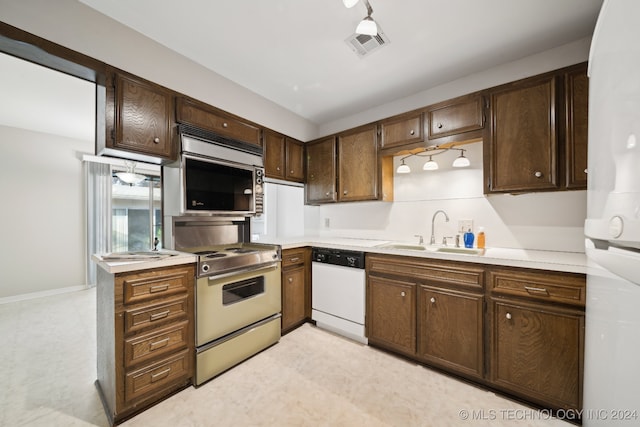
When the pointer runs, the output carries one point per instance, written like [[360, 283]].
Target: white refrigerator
[[612, 329]]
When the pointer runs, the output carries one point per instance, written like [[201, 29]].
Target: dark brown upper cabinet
[[537, 138], [142, 117], [321, 171], [456, 120], [283, 157], [203, 116], [401, 130]]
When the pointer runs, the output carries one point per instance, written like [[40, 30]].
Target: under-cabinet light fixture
[[130, 176], [431, 165]]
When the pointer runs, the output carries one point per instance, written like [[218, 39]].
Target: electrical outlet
[[465, 225], [327, 222]]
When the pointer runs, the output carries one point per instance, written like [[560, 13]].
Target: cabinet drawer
[[137, 319], [156, 377], [566, 288], [293, 257], [140, 288], [457, 117], [402, 130], [421, 269], [190, 113], [161, 342]]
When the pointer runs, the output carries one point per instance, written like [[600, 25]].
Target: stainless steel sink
[[454, 250], [444, 249], [402, 246]]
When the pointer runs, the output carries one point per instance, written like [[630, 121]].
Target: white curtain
[[98, 214]]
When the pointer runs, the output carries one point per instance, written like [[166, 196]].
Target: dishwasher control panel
[[354, 259]]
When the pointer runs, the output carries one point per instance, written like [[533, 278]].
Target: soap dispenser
[[468, 239]]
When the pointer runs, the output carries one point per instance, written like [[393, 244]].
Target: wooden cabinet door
[[294, 160], [537, 352], [274, 155], [294, 296], [450, 329], [321, 171], [391, 314], [456, 116], [577, 124], [524, 137], [143, 118], [399, 131], [358, 165]]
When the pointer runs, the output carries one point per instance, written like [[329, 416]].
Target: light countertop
[[570, 262], [165, 258]]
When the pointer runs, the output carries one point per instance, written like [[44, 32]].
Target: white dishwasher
[[338, 292]]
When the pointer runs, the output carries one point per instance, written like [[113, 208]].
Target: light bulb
[[403, 168], [349, 3], [368, 27], [431, 165], [461, 161]]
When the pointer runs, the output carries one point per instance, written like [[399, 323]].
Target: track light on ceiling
[[431, 165], [367, 26]]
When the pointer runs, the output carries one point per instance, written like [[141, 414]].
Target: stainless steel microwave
[[212, 178]]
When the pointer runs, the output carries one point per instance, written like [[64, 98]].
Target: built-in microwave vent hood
[[363, 44], [213, 138]]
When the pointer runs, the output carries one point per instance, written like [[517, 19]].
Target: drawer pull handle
[[158, 288], [296, 259], [508, 316], [533, 290], [158, 344], [433, 300], [161, 315], [160, 375]]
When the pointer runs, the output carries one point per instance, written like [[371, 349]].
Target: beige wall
[[42, 220]]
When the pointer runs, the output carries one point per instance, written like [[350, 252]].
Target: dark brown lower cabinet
[[391, 314], [296, 289], [537, 352], [450, 329]]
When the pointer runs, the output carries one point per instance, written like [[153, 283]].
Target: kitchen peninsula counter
[[569, 262], [165, 258]]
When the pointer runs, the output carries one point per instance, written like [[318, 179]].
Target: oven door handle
[[269, 266]]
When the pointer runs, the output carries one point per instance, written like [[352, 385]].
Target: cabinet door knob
[[156, 140], [402, 293], [433, 300], [225, 125], [585, 171], [326, 194], [290, 279], [412, 132], [439, 125], [538, 174], [291, 172], [508, 316], [344, 192]]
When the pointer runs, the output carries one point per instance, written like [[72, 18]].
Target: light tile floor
[[310, 378]]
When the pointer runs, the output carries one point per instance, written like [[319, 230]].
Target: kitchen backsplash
[[544, 221]]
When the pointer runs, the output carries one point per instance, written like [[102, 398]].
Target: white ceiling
[[293, 51]]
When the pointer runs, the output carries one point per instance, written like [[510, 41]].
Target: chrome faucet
[[432, 241]]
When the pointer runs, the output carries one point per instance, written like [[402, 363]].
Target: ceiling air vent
[[363, 44]]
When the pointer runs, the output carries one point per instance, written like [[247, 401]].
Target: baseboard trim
[[34, 295]]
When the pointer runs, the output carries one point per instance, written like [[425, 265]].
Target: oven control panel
[[259, 192]]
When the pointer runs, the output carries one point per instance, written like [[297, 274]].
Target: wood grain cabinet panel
[[450, 329], [577, 126], [321, 171], [537, 352], [358, 165], [200, 115], [283, 157], [402, 130], [456, 117], [391, 314], [145, 337], [524, 136], [143, 118], [296, 287]]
